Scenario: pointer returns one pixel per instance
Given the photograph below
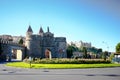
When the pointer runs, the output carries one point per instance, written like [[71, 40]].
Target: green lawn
[[60, 66]]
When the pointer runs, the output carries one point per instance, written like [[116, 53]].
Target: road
[[10, 73]]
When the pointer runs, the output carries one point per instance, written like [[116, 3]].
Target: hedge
[[68, 61]]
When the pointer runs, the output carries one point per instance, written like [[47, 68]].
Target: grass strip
[[60, 66]]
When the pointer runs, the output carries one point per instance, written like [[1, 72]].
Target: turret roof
[[41, 30], [29, 29]]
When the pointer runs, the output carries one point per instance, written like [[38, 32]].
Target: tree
[[104, 55], [111, 56], [85, 52], [99, 51], [21, 41], [2, 56], [70, 50], [0, 48], [94, 50], [118, 48]]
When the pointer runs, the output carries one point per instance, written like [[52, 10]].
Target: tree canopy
[[85, 52], [0, 48], [70, 50], [118, 48], [21, 41]]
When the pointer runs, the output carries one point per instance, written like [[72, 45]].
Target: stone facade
[[37, 44], [14, 39], [10, 50], [81, 44]]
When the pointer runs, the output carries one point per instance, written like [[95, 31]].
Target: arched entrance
[[48, 53], [16, 54]]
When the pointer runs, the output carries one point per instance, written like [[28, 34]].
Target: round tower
[[28, 40]]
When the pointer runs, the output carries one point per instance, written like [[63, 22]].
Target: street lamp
[[30, 59]]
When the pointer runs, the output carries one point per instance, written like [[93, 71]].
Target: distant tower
[[48, 29], [41, 31], [28, 41]]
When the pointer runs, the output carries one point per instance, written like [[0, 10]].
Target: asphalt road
[[10, 73]]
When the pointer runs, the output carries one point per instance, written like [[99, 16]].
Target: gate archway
[[17, 53], [48, 53]]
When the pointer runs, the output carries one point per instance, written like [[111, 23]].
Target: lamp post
[[106, 45], [106, 54], [30, 59]]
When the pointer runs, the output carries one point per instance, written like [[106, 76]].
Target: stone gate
[[11, 51]]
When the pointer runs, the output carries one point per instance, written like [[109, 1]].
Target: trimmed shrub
[[69, 61]]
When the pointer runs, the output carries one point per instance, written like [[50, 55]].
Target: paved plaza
[[10, 73]]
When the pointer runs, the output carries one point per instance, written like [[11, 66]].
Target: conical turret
[[41, 31], [29, 31]]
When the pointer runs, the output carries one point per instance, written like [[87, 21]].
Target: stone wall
[[7, 48], [61, 47], [37, 45]]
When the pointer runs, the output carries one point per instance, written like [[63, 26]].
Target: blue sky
[[92, 21]]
